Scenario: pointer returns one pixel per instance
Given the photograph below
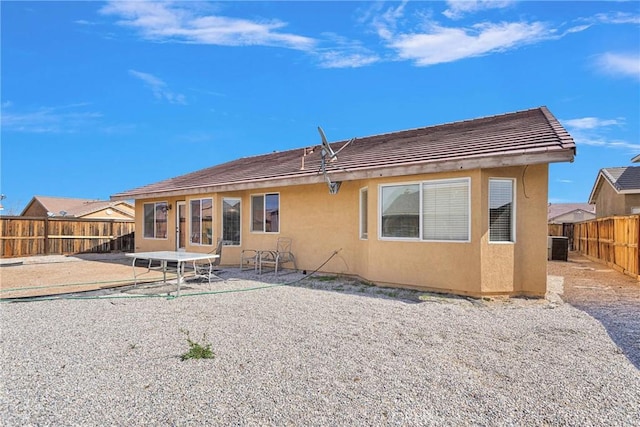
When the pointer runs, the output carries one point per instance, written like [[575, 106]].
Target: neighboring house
[[459, 207], [78, 208], [563, 213], [636, 159], [616, 191]]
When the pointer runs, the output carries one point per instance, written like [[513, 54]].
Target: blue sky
[[102, 97]]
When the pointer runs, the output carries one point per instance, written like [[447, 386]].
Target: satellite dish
[[328, 153], [326, 148]]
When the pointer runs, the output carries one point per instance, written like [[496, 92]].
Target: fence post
[[46, 236], [112, 240]]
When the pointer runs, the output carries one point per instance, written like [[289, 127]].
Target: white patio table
[[181, 258]]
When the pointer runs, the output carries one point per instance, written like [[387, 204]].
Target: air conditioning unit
[[557, 248]]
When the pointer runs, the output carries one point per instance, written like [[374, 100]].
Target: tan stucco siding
[[518, 267], [321, 224], [443, 266], [610, 203]]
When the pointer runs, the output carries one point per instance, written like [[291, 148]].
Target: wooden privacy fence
[[28, 236], [613, 240], [565, 230]]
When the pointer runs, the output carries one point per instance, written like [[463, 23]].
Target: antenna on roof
[[327, 153], [326, 148]]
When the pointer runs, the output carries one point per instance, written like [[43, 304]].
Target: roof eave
[[481, 162]]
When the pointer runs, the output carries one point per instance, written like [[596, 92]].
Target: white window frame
[[420, 237], [513, 211], [380, 211], [227, 242], [446, 181], [264, 213], [191, 242], [364, 214], [155, 221]]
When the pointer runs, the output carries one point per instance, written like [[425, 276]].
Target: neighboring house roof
[[636, 159], [555, 210], [76, 207], [624, 180], [519, 138]]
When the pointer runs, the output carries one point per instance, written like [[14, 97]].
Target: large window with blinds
[[437, 210], [445, 210], [501, 210]]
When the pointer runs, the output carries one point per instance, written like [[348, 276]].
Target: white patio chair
[[282, 255], [249, 257], [205, 269]]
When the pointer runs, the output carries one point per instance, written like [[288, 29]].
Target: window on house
[[202, 221], [501, 210], [445, 210], [231, 221], [364, 203], [265, 213], [155, 220], [401, 211], [436, 210]]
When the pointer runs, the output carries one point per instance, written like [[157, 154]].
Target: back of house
[[459, 207]]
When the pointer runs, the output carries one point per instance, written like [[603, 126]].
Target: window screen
[[401, 211], [155, 220], [364, 206], [231, 221], [265, 213], [501, 210]]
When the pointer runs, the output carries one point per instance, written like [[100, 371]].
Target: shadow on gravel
[[347, 285], [622, 322], [607, 295]]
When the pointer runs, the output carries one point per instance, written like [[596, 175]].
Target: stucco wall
[[519, 267], [610, 203], [320, 224]]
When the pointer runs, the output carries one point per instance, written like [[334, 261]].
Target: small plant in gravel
[[197, 350], [326, 278]]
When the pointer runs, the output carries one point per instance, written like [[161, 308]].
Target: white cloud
[[626, 65], [595, 132], [618, 18], [441, 44], [600, 141], [62, 119], [159, 88], [339, 59], [345, 53], [184, 22], [458, 8], [591, 123], [385, 23]]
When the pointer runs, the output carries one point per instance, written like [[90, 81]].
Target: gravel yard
[[319, 352]]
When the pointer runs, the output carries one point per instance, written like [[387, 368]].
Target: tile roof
[[72, 207], [556, 209], [623, 179], [523, 137]]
